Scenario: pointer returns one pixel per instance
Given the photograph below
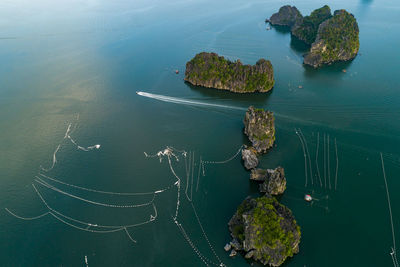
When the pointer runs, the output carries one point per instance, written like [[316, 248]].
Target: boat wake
[[183, 101]]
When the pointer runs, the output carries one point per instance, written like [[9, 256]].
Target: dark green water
[[90, 57]]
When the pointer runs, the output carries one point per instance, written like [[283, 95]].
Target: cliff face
[[211, 70], [287, 16], [274, 181], [260, 128], [265, 231], [337, 40], [308, 28]]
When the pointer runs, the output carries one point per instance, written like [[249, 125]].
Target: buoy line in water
[[325, 159], [316, 161], [44, 181], [169, 153], [329, 167], [305, 156], [189, 171], [393, 253], [337, 164], [328, 181], [308, 155]]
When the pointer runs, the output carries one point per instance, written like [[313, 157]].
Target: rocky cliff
[[259, 126], [337, 40], [286, 16], [308, 28], [273, 180], [265, 230], [211, 70], [249, 157]]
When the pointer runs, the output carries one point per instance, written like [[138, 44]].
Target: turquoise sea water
[[81, 62]]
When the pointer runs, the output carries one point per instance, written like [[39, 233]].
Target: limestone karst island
[[332, 37]]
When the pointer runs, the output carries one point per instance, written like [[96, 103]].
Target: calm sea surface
[[80, 63]]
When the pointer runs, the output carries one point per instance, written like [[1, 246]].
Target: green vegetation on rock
[[211, 70], [266, 229], [337, 40], [287, 16], [260, 128], [308, 28]]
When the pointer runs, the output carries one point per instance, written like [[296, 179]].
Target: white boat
[[308, 198]]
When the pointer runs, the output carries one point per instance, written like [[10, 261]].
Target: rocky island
[[337, 40], [264, 230], [273, 180], [213, 71], [286, 16], [259, 126], [308, 28], [332, 38]]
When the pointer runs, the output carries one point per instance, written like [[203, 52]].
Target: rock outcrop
[[249, 157], [287, 16], [259, 126], [308, 28], [274, 182], [265, 230], [211, 70], [337, 40]]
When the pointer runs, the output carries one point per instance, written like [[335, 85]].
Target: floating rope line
[[308, 155], [225, 161], [305, 157], [40, 181], [316, 161], [54, 211], [68, 136], [189, 170], [337, 165], [198, 175], [325, 159], [203, 258], [329, 166], [191, 187], [130, 237], [107, 192], [393, 253], [54, 160], [205, 235], [26, 218], [88, 225]]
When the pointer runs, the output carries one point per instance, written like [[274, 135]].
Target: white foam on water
[[183, 101]]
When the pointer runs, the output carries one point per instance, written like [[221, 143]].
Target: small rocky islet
[[332, 37], [214, 71]]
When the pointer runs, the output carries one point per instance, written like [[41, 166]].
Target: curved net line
[[40, 181], [393, 253], [203, 258], [204, 233], [224, 161], [54, 160], [26, 218], [53, 212], [106, 192], [305, 156], [308, 155]]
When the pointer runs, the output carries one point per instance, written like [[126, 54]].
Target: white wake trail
[[186, 102]]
